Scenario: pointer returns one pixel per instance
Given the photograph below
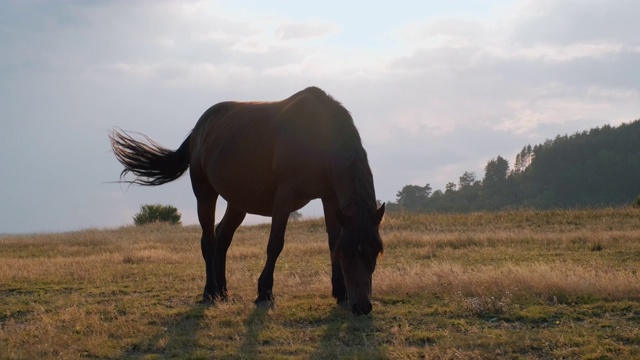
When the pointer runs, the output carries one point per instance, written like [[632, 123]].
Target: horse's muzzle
[[361, 308]]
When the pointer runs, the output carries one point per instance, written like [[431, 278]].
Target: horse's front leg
[[280, 216], [338, 289]]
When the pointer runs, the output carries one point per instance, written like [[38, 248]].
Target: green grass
[[522, 284]]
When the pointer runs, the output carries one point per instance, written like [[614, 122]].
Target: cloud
[[438, 32], [306, 30], [570, 22], [505, 73], [173, 73]]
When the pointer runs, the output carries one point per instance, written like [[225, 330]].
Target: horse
[[270, 159]]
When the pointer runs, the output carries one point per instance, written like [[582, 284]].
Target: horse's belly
[[260, 202], [249, 200], [254, 193], [247, 188]]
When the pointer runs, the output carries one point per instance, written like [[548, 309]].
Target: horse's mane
[[350, 143], [364, 197]]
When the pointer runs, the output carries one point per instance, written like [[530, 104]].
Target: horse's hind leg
[[207, 198], [224, 234]]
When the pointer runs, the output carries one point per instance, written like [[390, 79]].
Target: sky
[[436, 88]]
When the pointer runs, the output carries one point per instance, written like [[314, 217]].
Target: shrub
[[295, 216], [157, 213], [636, 203]]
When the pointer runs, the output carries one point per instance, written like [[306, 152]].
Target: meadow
[[519, 284]]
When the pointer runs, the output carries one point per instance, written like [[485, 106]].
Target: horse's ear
[[343, 220], [377, 218]]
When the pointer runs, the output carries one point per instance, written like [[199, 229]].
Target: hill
[[595, 168]]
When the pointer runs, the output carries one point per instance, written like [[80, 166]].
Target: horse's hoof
[[208, 299], [265, 304]]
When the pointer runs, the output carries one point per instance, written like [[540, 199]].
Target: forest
[[595, 168]]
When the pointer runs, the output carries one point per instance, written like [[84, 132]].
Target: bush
[[295, 216], [157, 213]]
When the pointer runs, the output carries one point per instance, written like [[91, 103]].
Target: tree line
[[595, 168]]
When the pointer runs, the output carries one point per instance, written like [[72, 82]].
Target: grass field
[[522, 284]]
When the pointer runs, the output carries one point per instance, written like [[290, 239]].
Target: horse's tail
[[149, 162]]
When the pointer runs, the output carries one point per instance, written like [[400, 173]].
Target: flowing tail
[[151, 163]]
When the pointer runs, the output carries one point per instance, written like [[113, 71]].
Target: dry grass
[[523, 284]]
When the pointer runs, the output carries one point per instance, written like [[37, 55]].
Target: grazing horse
[[270, 159]]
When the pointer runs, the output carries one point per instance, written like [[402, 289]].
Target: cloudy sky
[[436, 88]]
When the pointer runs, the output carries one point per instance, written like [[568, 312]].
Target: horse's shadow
[[348, 336], [343, 336], [177, 337], [253, 327]]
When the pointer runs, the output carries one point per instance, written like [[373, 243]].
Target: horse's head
[[357, 251]]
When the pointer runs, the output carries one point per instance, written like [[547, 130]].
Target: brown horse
[[270, 159]]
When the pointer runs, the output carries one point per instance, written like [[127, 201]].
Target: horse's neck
[[353, 185]]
